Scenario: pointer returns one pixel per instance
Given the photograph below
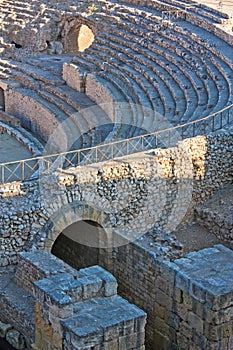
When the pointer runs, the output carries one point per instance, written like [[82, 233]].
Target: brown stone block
[[177, 295], [161, 284], [160, 341], [185, 330], [188, 301], [159, 311], [163, 299], [227, 329], [57, 340], [195, 322], [161, 326], [181, 311], [212, 333]]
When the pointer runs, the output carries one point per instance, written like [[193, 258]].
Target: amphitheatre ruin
[[116, 169]]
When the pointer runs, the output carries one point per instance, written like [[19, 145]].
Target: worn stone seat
[[209, 88]]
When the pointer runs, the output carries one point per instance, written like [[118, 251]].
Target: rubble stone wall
[[131, 194], [218, 223]]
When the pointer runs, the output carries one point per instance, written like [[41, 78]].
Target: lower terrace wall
[[186, 310], [41, 211], [187, 300], [40, 120]]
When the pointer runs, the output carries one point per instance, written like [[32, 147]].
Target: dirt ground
[[195, 237]]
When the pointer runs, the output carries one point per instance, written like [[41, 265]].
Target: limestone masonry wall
[[180, 297], [34, 116], [100, 94], [72, 76], [188, 301]]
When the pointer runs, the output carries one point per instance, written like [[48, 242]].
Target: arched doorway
[[85, 38], [79, 235], [79, 38], [78, 244], [2, 100]]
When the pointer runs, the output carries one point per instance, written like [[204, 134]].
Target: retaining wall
[[132, 194]]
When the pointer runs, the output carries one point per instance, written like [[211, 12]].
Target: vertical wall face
[[75, 254], [72, 76], [2, 99], [78, 309], [188, 301]]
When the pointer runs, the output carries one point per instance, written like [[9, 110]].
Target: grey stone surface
[[209, 269], [4, 328], [15, 339]]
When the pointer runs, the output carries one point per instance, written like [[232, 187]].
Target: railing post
[[213, 122], [23, 170], [3, 174], [146, 141], [182, 133], [205, 127]]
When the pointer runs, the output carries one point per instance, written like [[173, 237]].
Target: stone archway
[[79, 38], [64, 229], [2, 99], [77, 245]]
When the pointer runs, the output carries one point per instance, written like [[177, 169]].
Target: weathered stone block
[[91, 286], [163, 299], [160, 341], [15, 339], [195, 322], [4, 328], [129, 341]]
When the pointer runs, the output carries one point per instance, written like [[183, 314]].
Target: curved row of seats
[[179, 75], [76, 113], [165, 73]]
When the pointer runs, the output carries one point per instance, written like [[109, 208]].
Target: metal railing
[[31, 168]]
